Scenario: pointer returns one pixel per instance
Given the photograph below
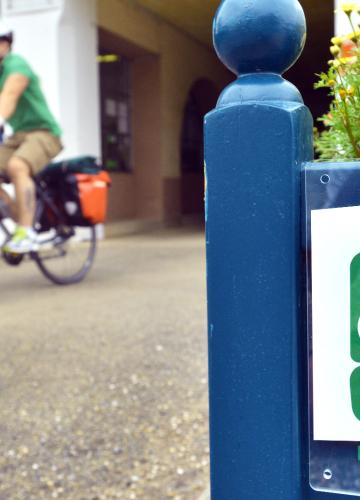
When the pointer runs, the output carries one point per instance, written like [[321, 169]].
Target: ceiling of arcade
[[195, 16]]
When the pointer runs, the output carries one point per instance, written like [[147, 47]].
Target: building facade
[[130, 81]]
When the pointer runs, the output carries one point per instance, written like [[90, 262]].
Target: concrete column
[[78, 78], [147, 137]]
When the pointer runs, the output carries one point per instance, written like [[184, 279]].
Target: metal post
[[255, 142]]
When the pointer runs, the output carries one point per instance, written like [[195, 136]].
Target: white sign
[[11, 7], [335, 241]]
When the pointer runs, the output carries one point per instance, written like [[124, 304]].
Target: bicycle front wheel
[[66, 254]]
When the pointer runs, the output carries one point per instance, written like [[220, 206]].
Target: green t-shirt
[[32, 111]]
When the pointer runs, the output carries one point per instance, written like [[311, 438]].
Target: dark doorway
[[201, 99], [320, 24]]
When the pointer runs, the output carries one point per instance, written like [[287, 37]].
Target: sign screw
[[327, 474]]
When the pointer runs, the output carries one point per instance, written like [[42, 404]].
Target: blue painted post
[[255, 142]]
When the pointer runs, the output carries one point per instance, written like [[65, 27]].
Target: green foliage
[[341, 137]]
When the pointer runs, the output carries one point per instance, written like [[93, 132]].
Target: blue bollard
[[255, 143]]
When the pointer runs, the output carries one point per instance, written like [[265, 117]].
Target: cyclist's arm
[[13, 89]]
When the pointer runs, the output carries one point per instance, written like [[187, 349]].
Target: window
[[115, 88]]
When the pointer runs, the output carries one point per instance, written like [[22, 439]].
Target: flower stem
[[349, 130], [353, 29]]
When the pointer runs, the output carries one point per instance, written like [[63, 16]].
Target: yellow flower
[[348, 7], [345, 60], [351, 91], [335, 63], [342, 93], [331, 83], [353, 36], [337, 40], [335, 49]]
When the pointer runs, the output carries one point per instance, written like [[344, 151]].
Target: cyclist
[[35, 140]]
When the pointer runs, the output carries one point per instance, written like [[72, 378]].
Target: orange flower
[[348, 49]]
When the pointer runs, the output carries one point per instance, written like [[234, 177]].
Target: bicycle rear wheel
[[66, 254]]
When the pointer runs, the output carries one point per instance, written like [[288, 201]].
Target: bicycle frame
[[44, 201], [56, 237], [4, 213]]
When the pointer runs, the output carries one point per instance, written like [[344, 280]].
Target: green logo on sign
[[355, 333]]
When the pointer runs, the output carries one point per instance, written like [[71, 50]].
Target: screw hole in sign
[[327, 474], [324, 179]]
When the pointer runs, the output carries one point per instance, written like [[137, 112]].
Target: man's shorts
[[37, 148]]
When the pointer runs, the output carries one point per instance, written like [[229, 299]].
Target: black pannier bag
[[79, 189]]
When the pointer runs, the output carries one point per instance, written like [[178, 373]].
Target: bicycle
[[67, 247]]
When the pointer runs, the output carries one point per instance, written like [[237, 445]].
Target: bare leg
[[20, 174]]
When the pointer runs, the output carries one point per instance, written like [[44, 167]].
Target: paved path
[[103, 388]]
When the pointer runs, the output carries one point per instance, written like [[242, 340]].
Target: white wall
[[36, 38], [60, 43]]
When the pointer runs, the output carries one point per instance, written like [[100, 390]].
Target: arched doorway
[[201, 99]]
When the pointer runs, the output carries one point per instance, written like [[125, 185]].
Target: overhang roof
[[192, 16], [195, 16]]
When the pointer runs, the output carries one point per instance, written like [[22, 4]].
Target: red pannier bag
[[93, 195]]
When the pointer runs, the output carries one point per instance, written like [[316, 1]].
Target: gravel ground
[[103, 385]]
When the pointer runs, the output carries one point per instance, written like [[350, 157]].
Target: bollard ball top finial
[[252, 36]]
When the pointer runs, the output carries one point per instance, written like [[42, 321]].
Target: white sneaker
[[24, 240]]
